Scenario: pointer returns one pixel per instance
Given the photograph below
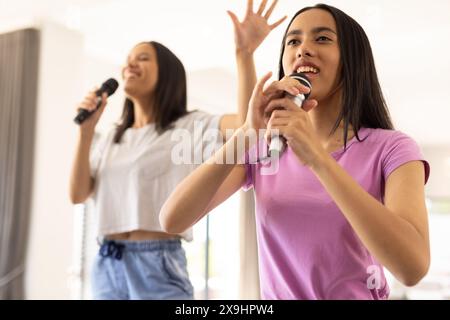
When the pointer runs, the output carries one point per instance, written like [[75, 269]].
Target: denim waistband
[[145, 245]]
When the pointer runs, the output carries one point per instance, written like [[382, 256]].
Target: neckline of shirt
[[148, 125], [363, 133]]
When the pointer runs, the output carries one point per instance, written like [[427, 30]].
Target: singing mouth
[[129, 74], [308, 69]]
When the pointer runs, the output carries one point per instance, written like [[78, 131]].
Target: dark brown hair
[[170, 99], [363, 104]]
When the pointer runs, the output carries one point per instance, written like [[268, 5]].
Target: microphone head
[[303, 79], [109, 86]]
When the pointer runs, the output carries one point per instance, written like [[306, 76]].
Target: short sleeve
[[248, 182], [206, 134], [400, 150], [98, 148], [250, 164]]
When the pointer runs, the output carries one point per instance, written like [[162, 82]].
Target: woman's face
[[140, 73], [312, 47]]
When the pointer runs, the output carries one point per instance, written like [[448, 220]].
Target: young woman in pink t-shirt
[[347, 197]]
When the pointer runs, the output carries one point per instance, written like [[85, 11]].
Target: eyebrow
[[315, 31]]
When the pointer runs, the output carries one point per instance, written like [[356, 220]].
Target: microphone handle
[[83, 114], [278, 143]]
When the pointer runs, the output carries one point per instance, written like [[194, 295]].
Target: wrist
[[244, 53], [244, 129], [321, 163], [86, 135], [248, 135]]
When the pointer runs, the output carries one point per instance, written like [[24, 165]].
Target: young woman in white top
[[131, 171]]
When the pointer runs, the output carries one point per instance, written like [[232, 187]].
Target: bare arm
[[249, 34], [81, 182], [246, 83], [395, 233], [204, 189], [218, 178]]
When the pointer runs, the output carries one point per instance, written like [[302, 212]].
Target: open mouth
[[308, 70], [131, 74]]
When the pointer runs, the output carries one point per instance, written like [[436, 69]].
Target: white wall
[[438, 156], [50, 242], [67, 72], [66, 75]]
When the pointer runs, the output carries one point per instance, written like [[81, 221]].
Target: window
[[213, 256], [436, 284]]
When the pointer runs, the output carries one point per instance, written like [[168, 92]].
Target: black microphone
[[278, 143], [109, 86]]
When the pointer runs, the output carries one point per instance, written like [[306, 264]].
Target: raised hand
[[252, 31]]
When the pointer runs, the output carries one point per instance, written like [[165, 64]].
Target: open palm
[[252, 31]]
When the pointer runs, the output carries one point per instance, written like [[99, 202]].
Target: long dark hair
[[363, 104], [170, 97]]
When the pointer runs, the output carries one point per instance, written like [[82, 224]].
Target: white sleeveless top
[[134, 178]]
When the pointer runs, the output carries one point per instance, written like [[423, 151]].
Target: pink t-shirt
[[307, 249]]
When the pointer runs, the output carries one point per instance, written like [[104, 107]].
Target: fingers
[[281, 114], [273, 89], [261, 83], [98, 112], [269, 12], [278, 115], [268, 135], [277, 88], [234, 19], [104, 101], [288, 85], [272, 131], [91, 101], [249, 6], [297, 84], [262, 6], [285, 106], [258, 91], [278, 127], [281, 104], [93, 91], [275, 95], [276, 24], [309, 104], [277, 123]]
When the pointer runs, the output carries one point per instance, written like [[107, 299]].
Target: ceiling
[[410, 40]]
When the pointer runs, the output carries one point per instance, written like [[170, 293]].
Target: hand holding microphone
[[278, 143], [95, 100]]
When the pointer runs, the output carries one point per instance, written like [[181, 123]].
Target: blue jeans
[[138, 270]]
